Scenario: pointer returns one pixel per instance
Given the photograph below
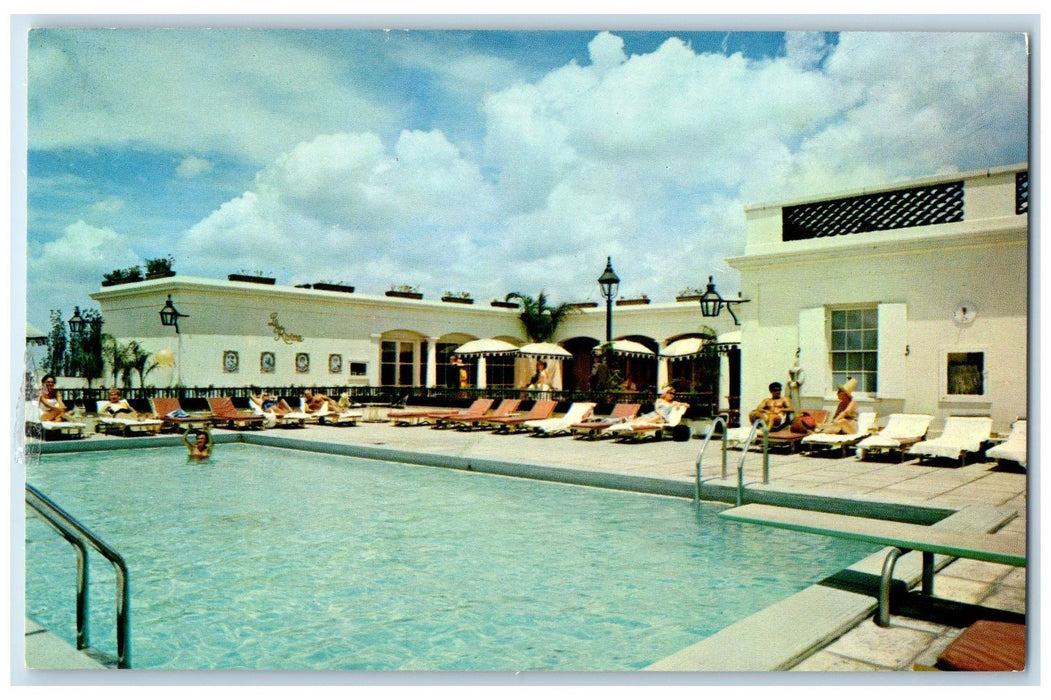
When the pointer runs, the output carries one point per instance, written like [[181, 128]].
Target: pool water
[[265, 558]]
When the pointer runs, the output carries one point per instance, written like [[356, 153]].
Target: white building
[[919, 290]]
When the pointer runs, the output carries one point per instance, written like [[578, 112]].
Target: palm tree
[[117, 357], [539, 319], [137, 359]]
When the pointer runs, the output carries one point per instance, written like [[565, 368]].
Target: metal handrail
[[78, 535], [700, 455], [759, 422]]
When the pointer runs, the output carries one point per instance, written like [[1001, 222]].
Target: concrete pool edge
[[773, 639]]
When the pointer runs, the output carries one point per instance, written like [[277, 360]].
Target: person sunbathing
[[116, 406], [662, 408], [52, 408], [774, 411], [269, 403], [313, 403]]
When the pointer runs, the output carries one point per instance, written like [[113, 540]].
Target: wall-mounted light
[[712, 303], [170, 315]]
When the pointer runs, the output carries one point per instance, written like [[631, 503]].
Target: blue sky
[[479, 161]]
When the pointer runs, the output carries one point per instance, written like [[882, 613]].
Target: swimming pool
[[266, 558]]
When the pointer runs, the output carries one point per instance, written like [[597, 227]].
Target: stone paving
[[865, 648]]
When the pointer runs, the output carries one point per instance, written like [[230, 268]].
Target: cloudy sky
[[479, 161]]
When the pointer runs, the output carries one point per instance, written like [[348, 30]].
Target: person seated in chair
[[268, 403], [52, 408], [117, 406], [774, 411], [845, 420], [313, 403], [662, 407]]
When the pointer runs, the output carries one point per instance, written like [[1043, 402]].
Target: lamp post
[[609, 283], [87, 351], [170, 317], [712, 303]]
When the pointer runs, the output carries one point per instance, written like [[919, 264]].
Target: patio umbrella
[[685, 348], [544, 351], [485, 346], [628, 348], [35, 336]]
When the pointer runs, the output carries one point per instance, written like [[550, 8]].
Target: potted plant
[[256, 276], [122, 276], [584, 304], [689, 294], [404, 291], [457, 297], [159, 267], [501, 304], [641, 299], [327, 286]]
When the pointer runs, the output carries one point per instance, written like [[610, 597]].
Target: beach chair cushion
[[1014, 448], [986, 646], [961, 434]]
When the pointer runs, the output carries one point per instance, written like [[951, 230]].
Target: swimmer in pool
[[201, 447]]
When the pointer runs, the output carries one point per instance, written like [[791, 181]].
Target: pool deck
[[848, 639]]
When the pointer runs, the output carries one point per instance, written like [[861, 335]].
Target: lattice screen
[[882, 211]]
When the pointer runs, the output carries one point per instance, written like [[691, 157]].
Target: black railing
[[702, 404]]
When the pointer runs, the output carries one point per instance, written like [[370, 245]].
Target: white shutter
[[890, 363], [813, 352]]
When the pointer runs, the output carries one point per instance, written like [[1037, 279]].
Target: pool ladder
[[80, 537], [759, 424]]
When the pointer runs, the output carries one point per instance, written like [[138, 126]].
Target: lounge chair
[[50, 429], [1014, 448], [595, 429], [962, 435], [986, 645], [478, 409], [125, 425], [826, 441], [902, 431], [326, 416], [576, 413], [542, 408], [634, 430], [273, 419], [505, 408], [792, 436], [224, 411], [428, 415], [174, 417]]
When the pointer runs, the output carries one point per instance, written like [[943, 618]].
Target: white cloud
[[649, 158], [73, 263], [251, 93], [192, 166]]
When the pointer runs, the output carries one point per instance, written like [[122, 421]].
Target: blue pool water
[[264, 558]]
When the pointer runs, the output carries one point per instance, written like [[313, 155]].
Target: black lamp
[[712, 303], [170, 315], [609, 283], [76, 323]]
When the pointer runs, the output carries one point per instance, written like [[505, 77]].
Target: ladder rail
[[700, 455], [758, 423], [80, 537]]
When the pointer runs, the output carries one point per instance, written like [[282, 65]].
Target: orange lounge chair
[[224, 411], [174, 417], [476, 410], [986, 646], [425, 415], [790, 438], [542, 408], [594, 429], [634, 430], [468, 422]]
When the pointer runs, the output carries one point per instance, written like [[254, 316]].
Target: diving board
[[903, 537]]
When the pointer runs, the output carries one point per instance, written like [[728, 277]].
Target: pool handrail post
[[707, 437], [759, 423], [77, 535]]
